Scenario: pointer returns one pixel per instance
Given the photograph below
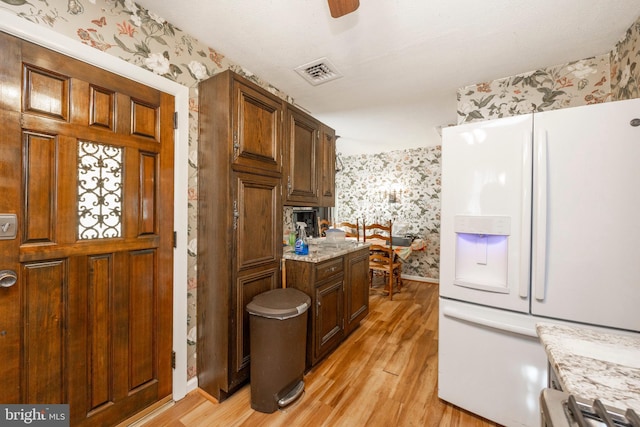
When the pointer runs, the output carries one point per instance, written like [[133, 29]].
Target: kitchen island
[[593, 364], [336, 277]]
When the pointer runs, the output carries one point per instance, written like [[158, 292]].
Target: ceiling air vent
[[318, 72]]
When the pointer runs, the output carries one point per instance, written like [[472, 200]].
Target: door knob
[[8, 278]]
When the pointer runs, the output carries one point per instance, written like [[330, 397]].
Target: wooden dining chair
[[350, 229], [382, 258], [323, 225]]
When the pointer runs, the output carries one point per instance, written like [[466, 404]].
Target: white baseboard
[[420, 278], [192, 384]]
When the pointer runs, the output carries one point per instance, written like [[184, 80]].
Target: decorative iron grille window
[[99, 191]]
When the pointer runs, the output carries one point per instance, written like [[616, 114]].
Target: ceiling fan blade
[[340, 8]]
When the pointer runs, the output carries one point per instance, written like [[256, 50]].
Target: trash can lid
[[279, 304]]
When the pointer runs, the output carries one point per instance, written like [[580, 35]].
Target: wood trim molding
[[148, 413]]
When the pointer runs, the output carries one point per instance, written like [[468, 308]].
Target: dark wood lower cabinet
[[357, 297], [328, 316], [339, 291], [248, 285], [240, 247]]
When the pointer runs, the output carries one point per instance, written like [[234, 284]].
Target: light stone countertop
[[593, 364], [325, 251]]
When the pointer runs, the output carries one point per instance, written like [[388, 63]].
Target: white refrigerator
[[540, 221]]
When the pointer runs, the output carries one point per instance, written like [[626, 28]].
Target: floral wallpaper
[[610, 77], [569, 85], [625, 73], [134, 34], [402, 186]]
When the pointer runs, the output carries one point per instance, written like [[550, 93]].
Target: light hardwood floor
[[384, 374]]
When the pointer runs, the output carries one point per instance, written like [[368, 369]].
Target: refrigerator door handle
[[525, 208], [538, 274], [458, 314]]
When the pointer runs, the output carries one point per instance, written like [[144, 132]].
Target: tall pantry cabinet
[[239, 221]]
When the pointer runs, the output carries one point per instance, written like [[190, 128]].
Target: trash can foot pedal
[[292, 395]]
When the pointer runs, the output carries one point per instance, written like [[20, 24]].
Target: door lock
[[8, 226], [8, 278]]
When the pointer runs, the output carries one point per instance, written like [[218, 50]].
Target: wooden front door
[[86, 224]]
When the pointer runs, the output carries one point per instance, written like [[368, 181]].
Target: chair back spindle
[[382, 259]]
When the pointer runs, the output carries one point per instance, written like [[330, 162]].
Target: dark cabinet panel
[[248, 285], [257, 134], [329, 312], [303, 155], [257, 219], [357, 289], [328, 167]]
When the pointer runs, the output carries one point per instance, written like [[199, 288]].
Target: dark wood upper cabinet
[[310, 148], [327, 166], [302, 141], [257, 127], [241, 124]]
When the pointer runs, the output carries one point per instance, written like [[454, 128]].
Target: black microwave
[[310, 216]]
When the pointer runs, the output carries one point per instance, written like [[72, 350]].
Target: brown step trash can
[[278, 339]]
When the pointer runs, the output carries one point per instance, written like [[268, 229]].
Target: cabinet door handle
[[236, 146], [236, 214]]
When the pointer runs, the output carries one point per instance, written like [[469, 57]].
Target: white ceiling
[[402, 60]]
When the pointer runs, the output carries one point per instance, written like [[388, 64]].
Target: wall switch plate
[[8, 226]]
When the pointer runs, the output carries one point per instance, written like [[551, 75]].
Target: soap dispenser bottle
[[302, 247]]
